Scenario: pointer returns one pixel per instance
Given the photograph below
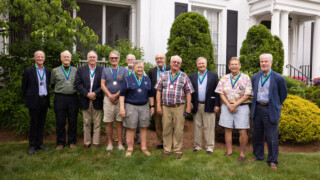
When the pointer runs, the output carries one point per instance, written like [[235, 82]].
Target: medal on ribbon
[[41, 77], [138, 82], [114, 76], [130, 72], [92, 74], [67, 75], [264, 80], [173, 79], [233, 82], [201, 79]]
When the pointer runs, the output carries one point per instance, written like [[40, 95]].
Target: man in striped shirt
[[172, 89]]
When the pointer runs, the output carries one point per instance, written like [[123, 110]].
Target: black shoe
[[42, 147], [160, 146], [209, 152], [31, 151]]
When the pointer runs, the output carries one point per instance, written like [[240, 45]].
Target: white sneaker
[[109, 148], [120, 147]]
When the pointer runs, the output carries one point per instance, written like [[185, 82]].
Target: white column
[[133, 24], [252, 21], [316, 49], [300, 45], [275, 22], [284, 31], [104, 11]]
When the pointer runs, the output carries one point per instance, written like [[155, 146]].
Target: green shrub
[[299, 121], [258, 41], [313, 94], [295, 87], [190, 38]]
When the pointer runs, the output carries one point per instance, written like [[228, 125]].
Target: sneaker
[[120, 147], [109, 148]]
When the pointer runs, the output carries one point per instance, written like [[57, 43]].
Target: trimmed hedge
[[299, 121]]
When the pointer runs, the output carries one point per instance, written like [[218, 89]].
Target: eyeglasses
[[113, 58], [159, 58], [176, 62]]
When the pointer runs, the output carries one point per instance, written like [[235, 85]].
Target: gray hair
[[39, 51], [138, 62], [134, 57], [92, 51], [202, 58], [267, 54], [176, 56], [159, 54], [114, 52], [66, 51]]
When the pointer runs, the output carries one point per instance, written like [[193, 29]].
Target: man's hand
[[113, 98], [232, 108], [216, 109], [188, 109], [159, 110], [91, 96], [122, 112], [152, 111]]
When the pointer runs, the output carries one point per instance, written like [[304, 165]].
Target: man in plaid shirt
[[172, 88]]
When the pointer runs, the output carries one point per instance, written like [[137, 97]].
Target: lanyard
[[130, 72], [264, 80], [65, 73], [92, 74], [138, 82], [41, 77], [201, 79], [234, 82], [175, 77], [114, 76]]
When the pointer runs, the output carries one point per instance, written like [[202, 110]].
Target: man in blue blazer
[[205, 103], [88, 83], [270, 91], [35, 87]]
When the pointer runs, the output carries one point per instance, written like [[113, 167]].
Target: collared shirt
[[43, 87], [263, 97], [114, 85], [176, 94], [132, 71], [91, 77], [202, 90], [242, 87], [60, 82], [131, 91], [160, 71]]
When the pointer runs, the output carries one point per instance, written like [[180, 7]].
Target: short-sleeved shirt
[[61, 84], [242, 87], [176, 94], [110, 81], [131, 91]]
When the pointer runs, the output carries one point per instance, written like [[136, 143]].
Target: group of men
[[171, 89]]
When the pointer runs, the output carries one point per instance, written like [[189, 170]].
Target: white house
[[147, 23]]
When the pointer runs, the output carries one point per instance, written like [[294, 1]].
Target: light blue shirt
[[43, 88], [202, 90], [263, 97], [160, 72]]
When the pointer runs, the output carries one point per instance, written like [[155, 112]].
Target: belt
[[263, 104], [242, 104], [201, 102], [175, 105], [43, 96]]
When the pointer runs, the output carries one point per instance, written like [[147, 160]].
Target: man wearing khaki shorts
[[111, 81]]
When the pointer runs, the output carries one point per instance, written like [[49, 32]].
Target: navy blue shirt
[[129, 89]]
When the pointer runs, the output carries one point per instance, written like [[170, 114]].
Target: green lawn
[[97, 163]]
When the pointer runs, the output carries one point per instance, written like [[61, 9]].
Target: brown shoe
[[96, 145], [59, 147], [178, 155], [253, 159], [165, 154], [241, 159], [146, 152], [273, 166], [85, 146], [226, 154], [72, 146]]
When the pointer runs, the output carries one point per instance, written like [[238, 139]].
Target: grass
[[97, 163]]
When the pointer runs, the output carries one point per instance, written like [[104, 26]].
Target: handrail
[[295, 72]]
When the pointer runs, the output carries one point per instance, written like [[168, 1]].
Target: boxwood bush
[[313, 94], [299, 121]]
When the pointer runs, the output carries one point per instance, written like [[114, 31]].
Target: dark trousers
[[38, 117], [66, 106], [263, 127]]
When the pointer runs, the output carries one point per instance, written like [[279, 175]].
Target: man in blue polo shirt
[[134, 95], [111, 80]]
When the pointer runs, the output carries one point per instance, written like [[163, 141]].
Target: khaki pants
[[173, 124], [159, 129], [206, 121], [88, 115]]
